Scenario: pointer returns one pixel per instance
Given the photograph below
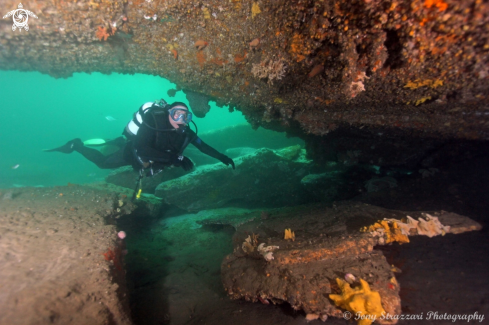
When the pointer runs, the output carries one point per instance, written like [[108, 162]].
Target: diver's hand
[[187, 164], [182, 161], [227, 161]]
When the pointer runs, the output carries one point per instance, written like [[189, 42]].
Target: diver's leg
[[118, 142], [111, 161], [91, 154], [115, 160]]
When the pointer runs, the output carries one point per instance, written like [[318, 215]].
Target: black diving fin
[[68, 147]]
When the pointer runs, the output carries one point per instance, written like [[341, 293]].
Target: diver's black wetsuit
[[162, 147]]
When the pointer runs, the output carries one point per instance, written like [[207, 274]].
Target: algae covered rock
[[263, 178], [127, 177]]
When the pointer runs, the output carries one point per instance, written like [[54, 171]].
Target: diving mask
[[180, 115]]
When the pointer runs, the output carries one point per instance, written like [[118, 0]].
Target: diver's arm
[[205, 148], [208, 150]]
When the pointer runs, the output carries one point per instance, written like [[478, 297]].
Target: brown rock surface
[[327, 245], [458, 224], [60, 255]]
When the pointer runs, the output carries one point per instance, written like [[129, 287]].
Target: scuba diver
[[156, 138]]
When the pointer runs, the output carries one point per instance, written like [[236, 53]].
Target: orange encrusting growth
[[114, 255], [218, 61], [297, 48], [201, 58], [349, 247], [240, 58], [442, 6]]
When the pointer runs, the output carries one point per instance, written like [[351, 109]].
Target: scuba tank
[[132, 127]]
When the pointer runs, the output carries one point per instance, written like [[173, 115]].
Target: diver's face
[[178, 116]]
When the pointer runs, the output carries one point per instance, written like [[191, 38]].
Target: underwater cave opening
[[44, 112]]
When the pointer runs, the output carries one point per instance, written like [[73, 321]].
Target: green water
[[40, 112]]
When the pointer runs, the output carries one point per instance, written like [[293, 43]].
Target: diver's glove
[[227, 161], [182, 161], [151, 168]]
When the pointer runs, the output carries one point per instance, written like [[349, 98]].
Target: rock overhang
[[304, 67]]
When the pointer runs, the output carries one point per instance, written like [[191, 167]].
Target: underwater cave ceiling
[[416, 68]]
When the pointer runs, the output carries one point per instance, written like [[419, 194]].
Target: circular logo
[[20, 18], [347, 315]]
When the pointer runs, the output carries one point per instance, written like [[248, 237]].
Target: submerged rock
[[328, 246], [328, 186], [264, 178], [62, 260], [240, 151], [127, 177]]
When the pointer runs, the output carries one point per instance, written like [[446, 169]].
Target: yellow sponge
[[362, 302]]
